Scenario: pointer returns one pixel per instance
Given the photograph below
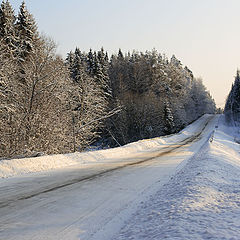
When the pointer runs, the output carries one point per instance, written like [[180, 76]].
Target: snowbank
[[16, 167], [202, 201]]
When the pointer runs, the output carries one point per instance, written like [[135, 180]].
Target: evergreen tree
[[88, 102], [76, 66], [27, 33], [236, 94], [90, 63], [7, 26], [120, 54], [169, 119], [232, 106], [102, 72], [70, 59]]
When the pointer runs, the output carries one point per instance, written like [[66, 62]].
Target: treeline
[[232, 106], [52, 105], [157, 96]]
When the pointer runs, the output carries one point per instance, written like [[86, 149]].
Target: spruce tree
[[232, 107], [102, 72], [90, 63], [88, 102], [7, 26], [236, 106], [169, 119], [27, 32], [120, 54], [70, 59]]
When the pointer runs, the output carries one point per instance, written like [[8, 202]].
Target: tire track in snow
[[117, 166]]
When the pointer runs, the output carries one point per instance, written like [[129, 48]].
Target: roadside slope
[[202, 201]]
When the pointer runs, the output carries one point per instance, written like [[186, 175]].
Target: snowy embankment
[[202, 201], [17, 167]]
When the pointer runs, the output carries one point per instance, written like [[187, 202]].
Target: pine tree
[[27, 33], [232, 106], [76, 66], [7, 26], [90, 63], [102, 72], [120, 54], [236, 105], [88, 102], [98, 67], [169, 119], [174, 61], [70, 59]]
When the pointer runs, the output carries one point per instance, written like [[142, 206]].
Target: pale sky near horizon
[[202, 34]]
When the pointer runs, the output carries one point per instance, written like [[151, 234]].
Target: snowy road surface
[[134, 193]]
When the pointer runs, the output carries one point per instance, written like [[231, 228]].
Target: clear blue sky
[[203, 34]]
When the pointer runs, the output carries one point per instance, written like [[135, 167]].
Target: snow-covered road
[[94, 200]]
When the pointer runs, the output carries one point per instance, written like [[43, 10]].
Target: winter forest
[[50, 104]]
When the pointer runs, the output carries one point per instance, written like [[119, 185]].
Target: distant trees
[[158, 96], [232, 106], [52, 105]]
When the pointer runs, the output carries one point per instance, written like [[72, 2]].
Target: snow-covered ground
[[175, 187], [17, 167], [202, 201]]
